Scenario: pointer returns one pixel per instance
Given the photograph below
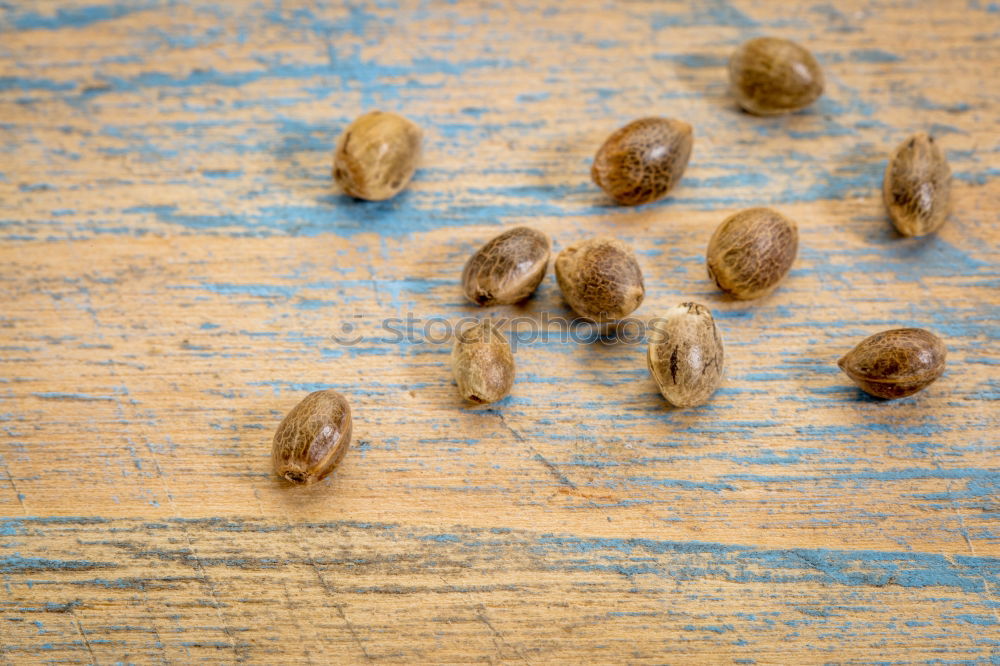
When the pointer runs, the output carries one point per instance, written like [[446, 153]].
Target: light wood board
[[176, 268]]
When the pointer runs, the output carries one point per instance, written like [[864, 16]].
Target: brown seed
[[642, 161], [917, 186], [508, 268], [312, 438], [771, 76], [600, 279], [751, 251], [685, 356], [895, 363], [376, 155], [482, 363]]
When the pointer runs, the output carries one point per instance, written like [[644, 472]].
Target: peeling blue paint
[[874, 56], [23, 83], [70, 17], [85, 397], [17, 564]]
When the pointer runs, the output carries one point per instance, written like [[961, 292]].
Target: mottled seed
[[895, 363], [508, 268], [686, 356], [642, 161], [771, 76], [600, 279], [482, 363], [751, 251], [312, 438], [917, 186], [377, 155]]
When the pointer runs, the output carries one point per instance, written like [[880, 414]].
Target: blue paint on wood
[[874, 56], [16, 564], [24, 83], [85, 397], [69, 17]]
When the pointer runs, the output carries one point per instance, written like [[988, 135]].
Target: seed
[[312, 438], [771, 76], [917, 186], [751, 251], [508, 268], [600, 279], [686, 356], [895, 363], [482, 363], [642, 161], [376, 155]]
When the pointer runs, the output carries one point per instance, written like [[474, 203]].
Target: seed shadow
[[860, 396], [855, 176], [817, 378], [294, 496], [303, 156], [705, 73]]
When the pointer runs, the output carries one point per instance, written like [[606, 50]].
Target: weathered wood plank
[[176, 271], [218, 589], [180, 391]]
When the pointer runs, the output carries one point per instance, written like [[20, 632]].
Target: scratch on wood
[[340, 609], [13, 486], [216, 603], [83, 636], [498, 635], [535, 454]]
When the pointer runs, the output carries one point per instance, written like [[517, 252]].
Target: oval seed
[[686, 356], [508, 268], [771, 76], [482, 363], [895, 363], [751, 251], [377, 155], [600, 279], [643, 160], [312, 438], [917, 186]]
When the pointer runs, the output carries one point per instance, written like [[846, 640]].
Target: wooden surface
[[175, 264]]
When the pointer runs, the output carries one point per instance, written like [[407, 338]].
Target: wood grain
[[177, 271]]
